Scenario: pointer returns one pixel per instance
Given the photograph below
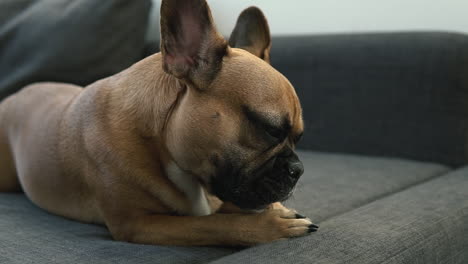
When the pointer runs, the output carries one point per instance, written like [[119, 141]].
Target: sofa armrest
[[389, 94]]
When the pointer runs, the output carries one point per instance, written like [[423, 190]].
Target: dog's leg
[[280, 206], [216, 229], [232, 209]]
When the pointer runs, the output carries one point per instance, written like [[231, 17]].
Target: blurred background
[[335, 16]]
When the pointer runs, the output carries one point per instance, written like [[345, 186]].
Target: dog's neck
[[143, 97], [146, 94]]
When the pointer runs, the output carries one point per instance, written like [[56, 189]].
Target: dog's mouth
[[264, 192], [258, 194], [256, 190]]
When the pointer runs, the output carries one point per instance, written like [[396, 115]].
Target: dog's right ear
[[191, 47], [252, 33]]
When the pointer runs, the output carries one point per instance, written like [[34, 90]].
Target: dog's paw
[[293, 214], [287, 212], [278, 224]]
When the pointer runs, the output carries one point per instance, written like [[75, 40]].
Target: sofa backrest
[[75, 42], [388, 94]]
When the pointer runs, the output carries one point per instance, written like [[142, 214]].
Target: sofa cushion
[[30, 235], [68, 41], [335, 183], [425, 224], [332, 184]]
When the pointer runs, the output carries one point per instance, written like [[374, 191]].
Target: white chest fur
[[191, 187]]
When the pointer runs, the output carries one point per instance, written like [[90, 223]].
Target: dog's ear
[[252, 33], [191, 47]]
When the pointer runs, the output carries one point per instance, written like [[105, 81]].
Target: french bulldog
[[191, 146]]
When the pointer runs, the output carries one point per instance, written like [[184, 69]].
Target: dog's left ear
[[191, 47], [252, 33]]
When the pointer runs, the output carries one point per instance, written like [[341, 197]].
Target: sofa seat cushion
[[425, 224], [335, 183], [331, 185], [30, 235]]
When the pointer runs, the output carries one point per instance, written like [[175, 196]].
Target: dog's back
[[22, 114]]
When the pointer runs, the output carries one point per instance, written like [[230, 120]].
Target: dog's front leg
[[231, 208], [215, 229]]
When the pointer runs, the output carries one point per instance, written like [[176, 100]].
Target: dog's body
[[149, 151]]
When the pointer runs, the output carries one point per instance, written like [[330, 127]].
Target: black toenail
[[299, 216], [312, 228]]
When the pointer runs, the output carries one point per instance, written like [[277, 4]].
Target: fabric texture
[[29, 235], [68, 41], [425, 224], [332, 184], [388, 94]]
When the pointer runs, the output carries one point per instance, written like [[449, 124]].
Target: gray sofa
[[385, 153], [395, 108]]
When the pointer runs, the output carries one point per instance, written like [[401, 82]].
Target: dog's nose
[[295, 169]]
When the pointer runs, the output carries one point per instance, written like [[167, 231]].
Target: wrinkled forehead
[[251, 83], [246, 77]]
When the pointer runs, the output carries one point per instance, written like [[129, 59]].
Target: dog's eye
[[273, 129], [275, 133], [298, 138]]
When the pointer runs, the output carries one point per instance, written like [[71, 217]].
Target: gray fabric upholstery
[[68, 41], [390, 94], [425, 224], [331, 185], [30, 235], [334, 183]]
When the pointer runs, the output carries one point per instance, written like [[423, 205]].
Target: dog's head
[[238, 120]]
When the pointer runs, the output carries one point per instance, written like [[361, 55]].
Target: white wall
[[331, 16]]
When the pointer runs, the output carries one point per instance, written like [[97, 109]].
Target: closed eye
[[277, 133], [275, 128], [297, 138]]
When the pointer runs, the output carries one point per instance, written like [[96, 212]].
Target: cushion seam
[[388, 194]]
